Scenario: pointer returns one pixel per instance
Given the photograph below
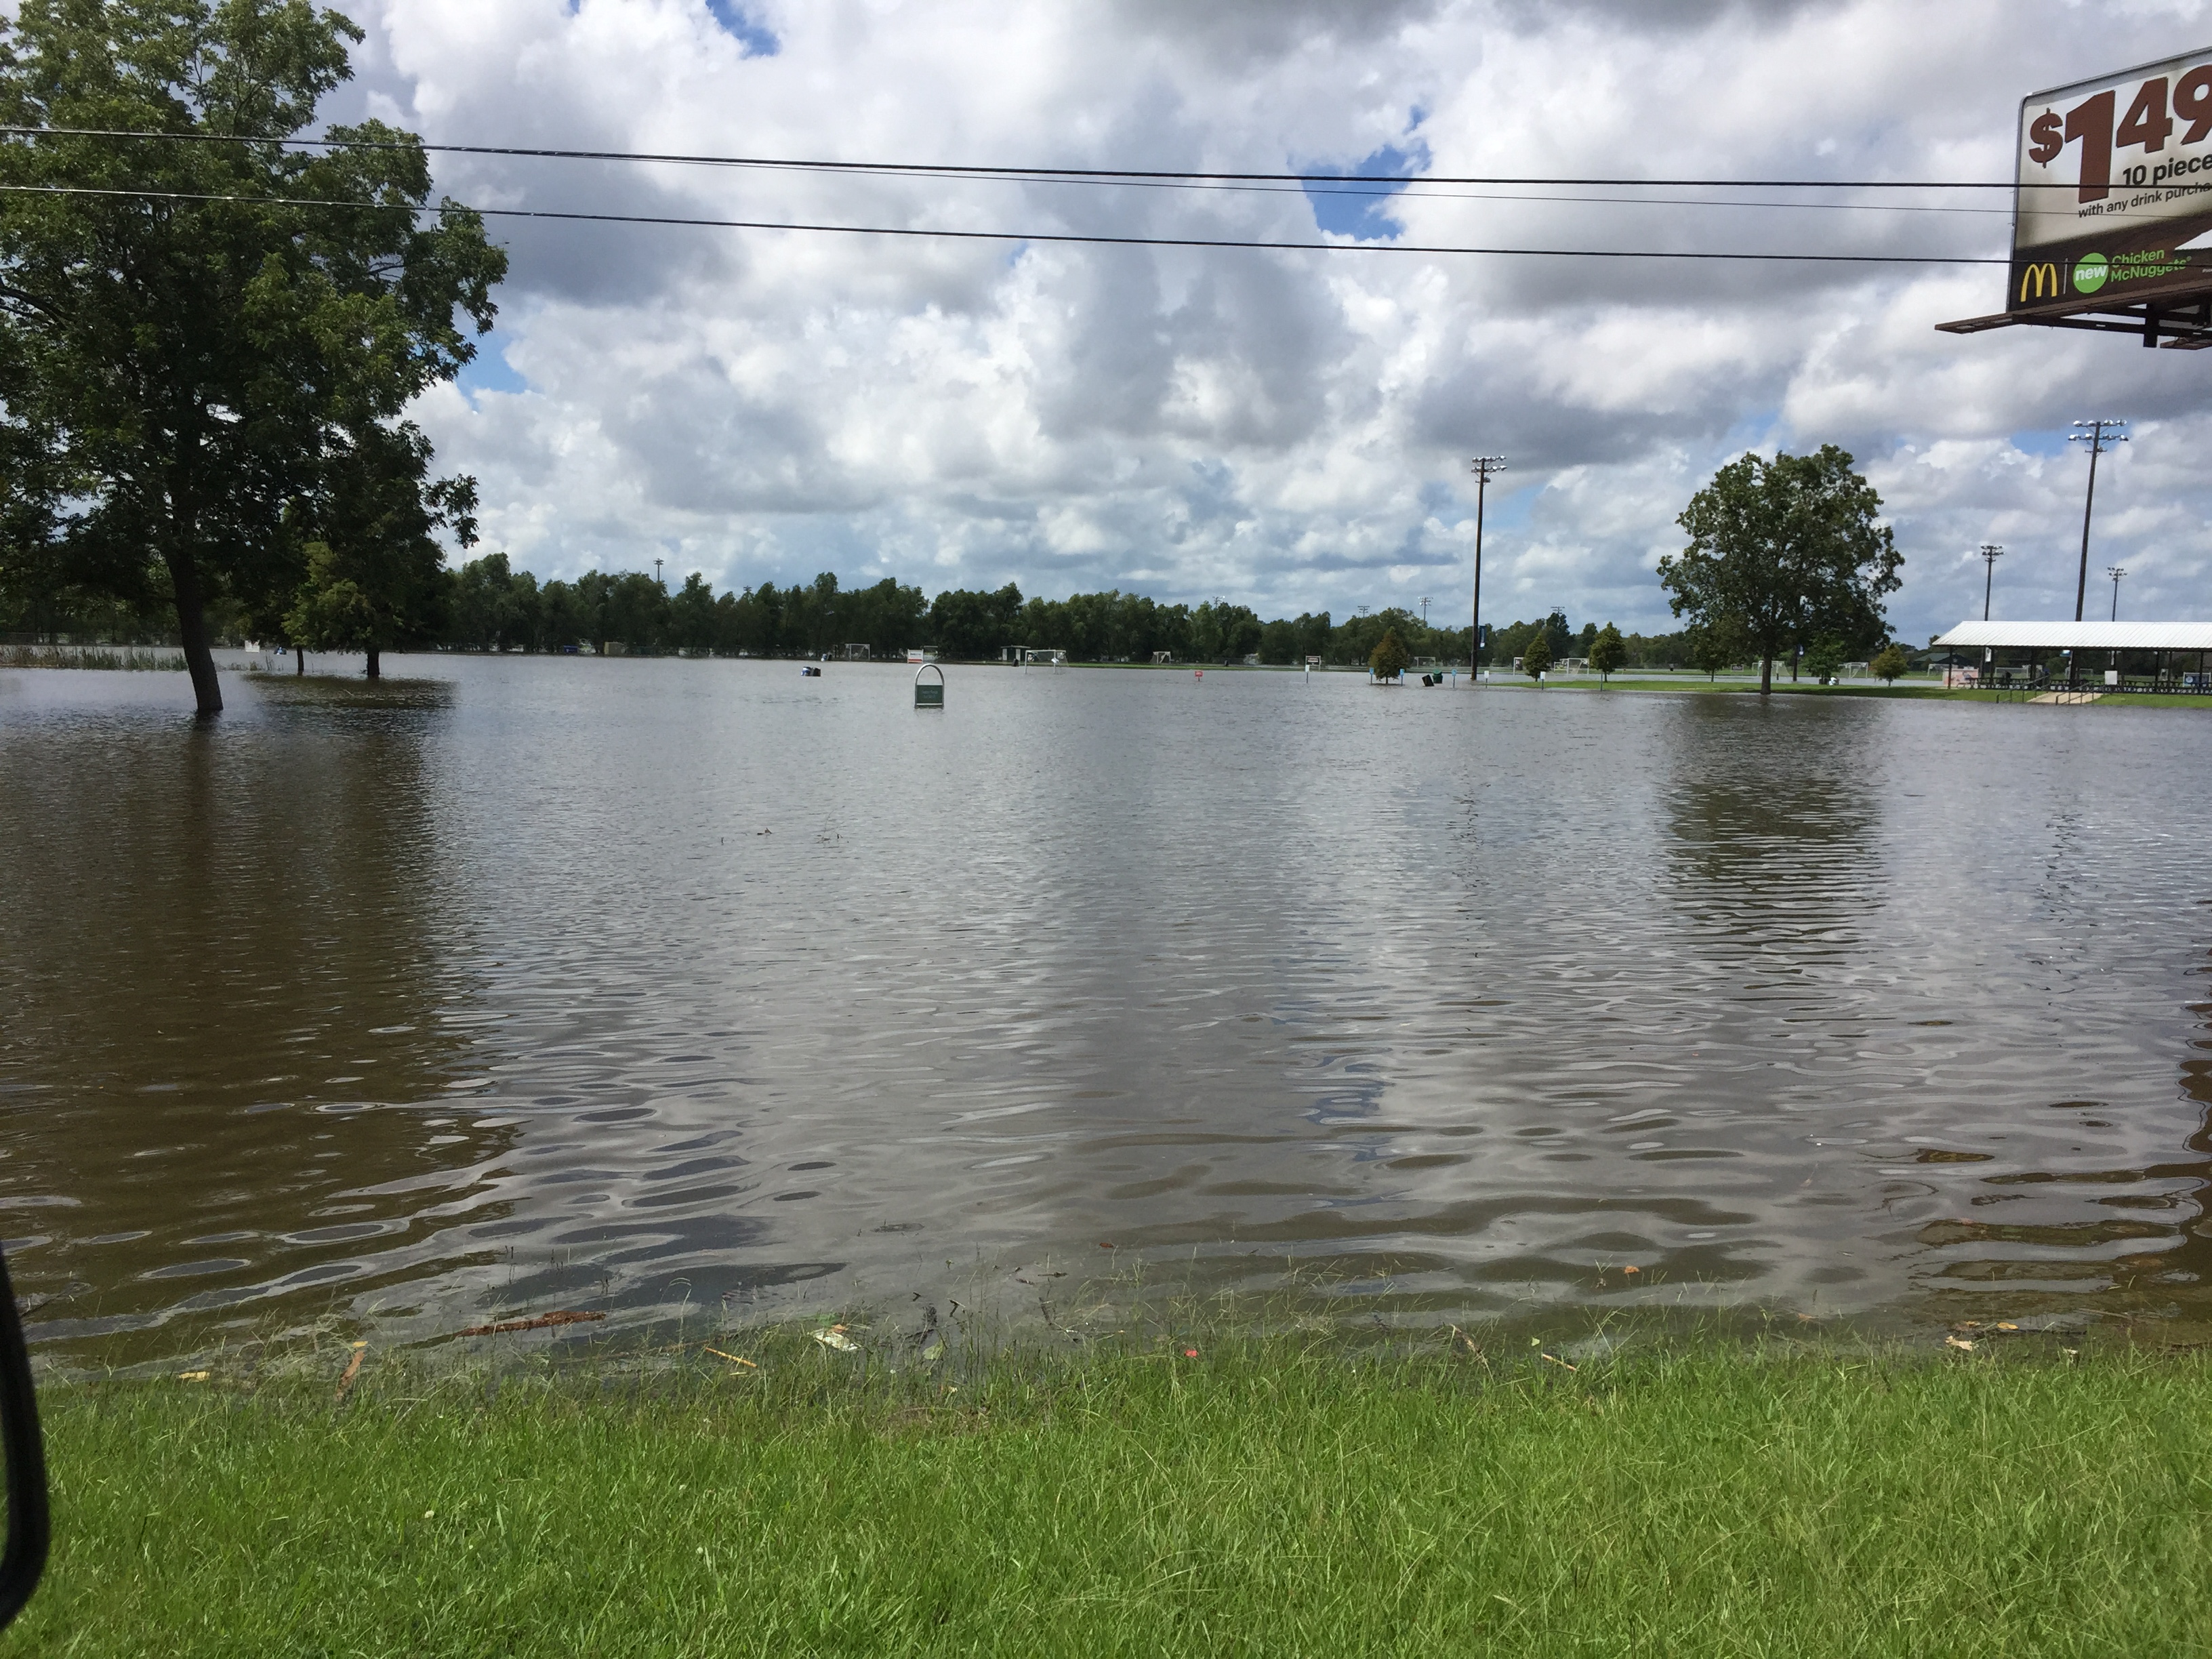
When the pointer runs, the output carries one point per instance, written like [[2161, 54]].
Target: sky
[[1288, 430]]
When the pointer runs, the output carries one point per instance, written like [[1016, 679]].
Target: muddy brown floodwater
[[653, 986]]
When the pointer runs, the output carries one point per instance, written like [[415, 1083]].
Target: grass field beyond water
[[1251, 1498]]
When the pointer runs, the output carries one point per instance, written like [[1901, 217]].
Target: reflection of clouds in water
[[773, 995], [2096, 1219]]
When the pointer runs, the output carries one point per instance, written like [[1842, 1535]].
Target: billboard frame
[[2176, 318]]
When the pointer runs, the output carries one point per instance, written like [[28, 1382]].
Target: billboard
[[2115, 190]]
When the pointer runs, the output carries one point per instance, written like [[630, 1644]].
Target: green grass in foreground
[[1253, 1499]]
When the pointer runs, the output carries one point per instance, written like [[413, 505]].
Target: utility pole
[[1990, 554], [2115, 572], [1424, 611], [1485, 467], [2098, 433]]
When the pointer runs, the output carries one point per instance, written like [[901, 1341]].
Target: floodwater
[[664, 986]]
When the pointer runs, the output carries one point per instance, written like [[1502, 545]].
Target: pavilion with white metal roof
[[2137, 655]]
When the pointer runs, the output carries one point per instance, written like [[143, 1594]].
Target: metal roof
[[2081, 635]]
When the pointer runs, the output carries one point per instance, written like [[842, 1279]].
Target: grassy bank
[[1252, 1498]]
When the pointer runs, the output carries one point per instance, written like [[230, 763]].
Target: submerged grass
[[1255, 1496], [78, 656]]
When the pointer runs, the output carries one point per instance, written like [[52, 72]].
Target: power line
[[1011, 235], [955, 170]]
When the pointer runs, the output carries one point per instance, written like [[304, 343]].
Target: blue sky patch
[[1362, 212], [488, 370], [758, 39]]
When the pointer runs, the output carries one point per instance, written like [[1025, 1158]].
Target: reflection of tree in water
[[222, 953], [1774, 814]]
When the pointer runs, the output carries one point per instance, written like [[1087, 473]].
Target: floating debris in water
[[566, 1316], [352, 1371]]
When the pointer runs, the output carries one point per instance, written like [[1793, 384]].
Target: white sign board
[[2115, 181]]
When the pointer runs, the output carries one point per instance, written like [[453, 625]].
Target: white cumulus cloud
[[1285, 428]]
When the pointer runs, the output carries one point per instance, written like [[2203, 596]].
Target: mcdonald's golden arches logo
[[2035, 276]]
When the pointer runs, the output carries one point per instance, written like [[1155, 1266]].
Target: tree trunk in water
[[299, 659], [1766, 676], [373, 667], [192, 630]]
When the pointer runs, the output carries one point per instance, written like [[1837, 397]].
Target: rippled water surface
[[653, 985]]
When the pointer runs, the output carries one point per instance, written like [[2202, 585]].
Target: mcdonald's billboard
[[2113, 202]]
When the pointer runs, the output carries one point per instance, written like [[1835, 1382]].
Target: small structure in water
[[929, 694], [810, 671]]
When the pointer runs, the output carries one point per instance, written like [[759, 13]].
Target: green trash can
[[929, 694]]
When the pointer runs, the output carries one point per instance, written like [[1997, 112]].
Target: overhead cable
[[954, 170], [1012, 235]]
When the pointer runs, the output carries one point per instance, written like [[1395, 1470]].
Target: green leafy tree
[[1712, 647], [1783, 551], [1390, 657], [1890, 663], [374, 565], [1536, 655], [1825, 656], [197, 339], [1224, 633], [691, 616], [1607, 652], [1558, 636], [492, 607], [561, 620], [975, 625]]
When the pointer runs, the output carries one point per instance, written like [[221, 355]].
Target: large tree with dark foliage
[[1783, 552], [201, 327]]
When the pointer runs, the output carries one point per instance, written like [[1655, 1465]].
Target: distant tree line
[[493, 607], [489, 605]]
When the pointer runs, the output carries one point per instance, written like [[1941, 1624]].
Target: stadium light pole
[[1990, 554], [2098, 433], [2115, 572], [1485, 467]]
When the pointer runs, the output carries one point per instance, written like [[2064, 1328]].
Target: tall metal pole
[[2115, 572], [1484, 467], [2097, 432], [1990, 554]]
